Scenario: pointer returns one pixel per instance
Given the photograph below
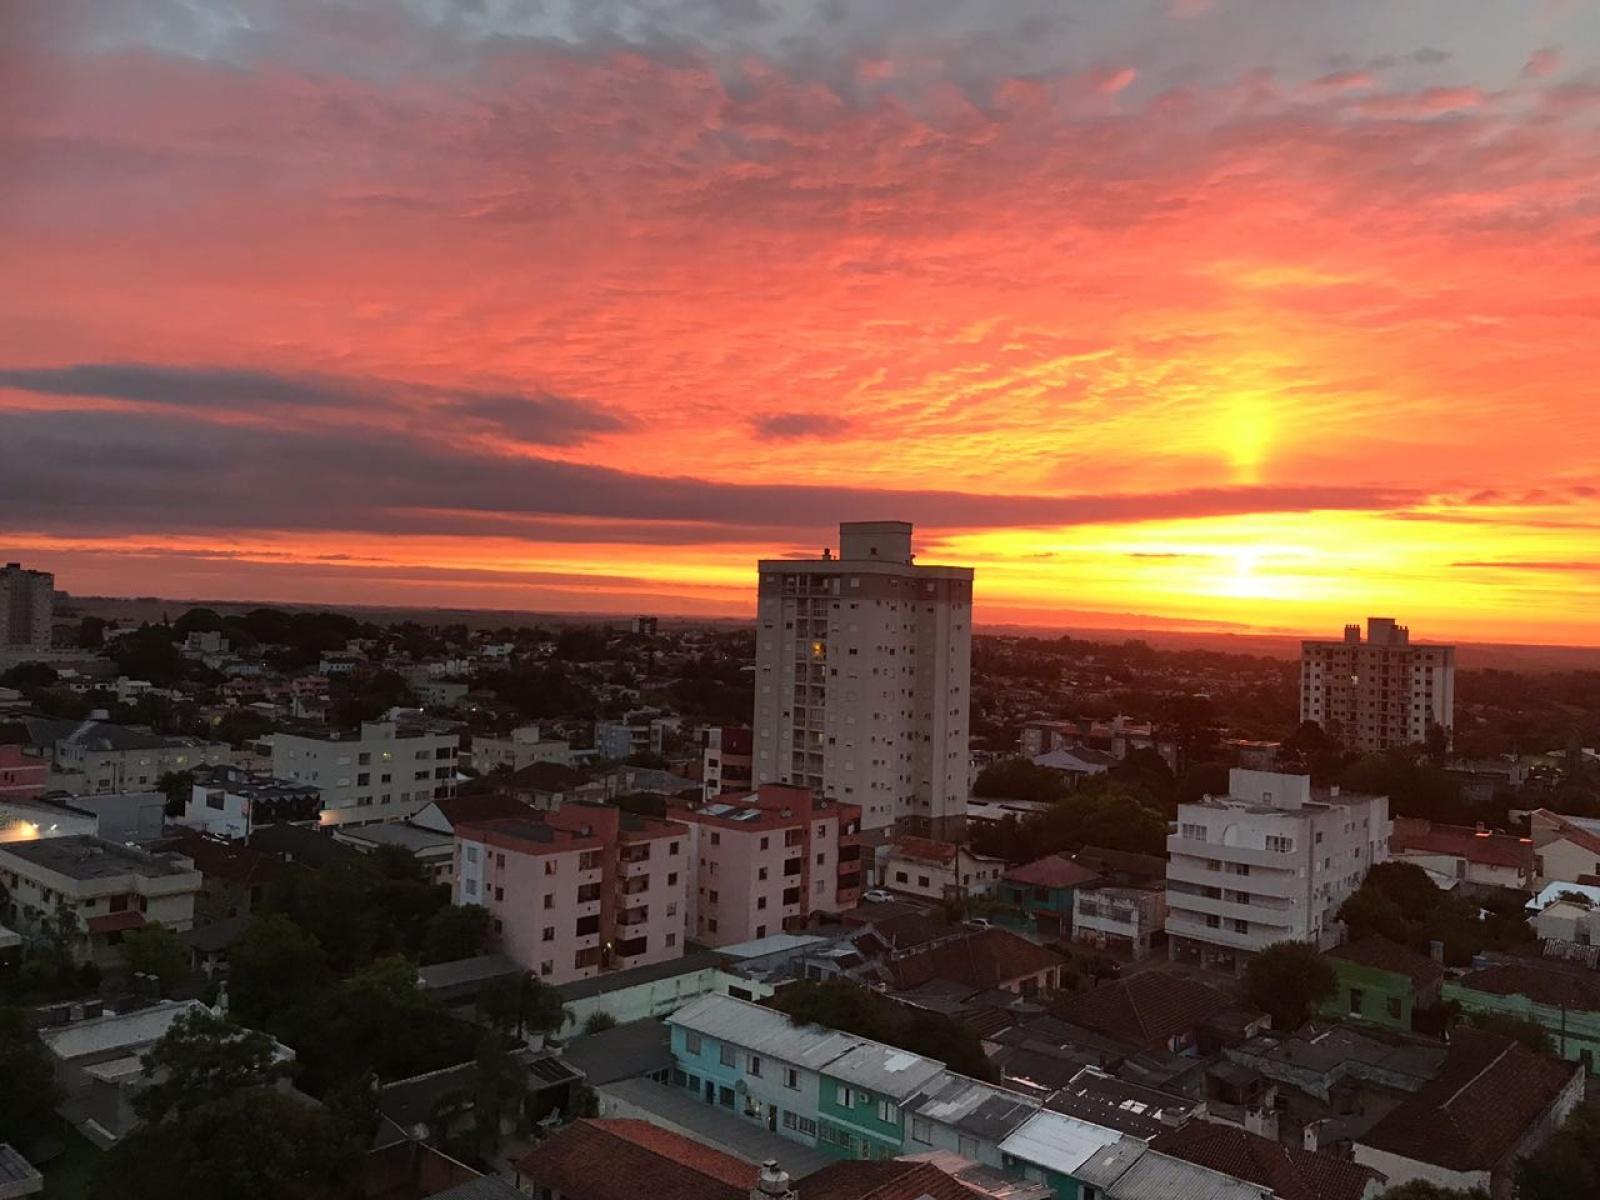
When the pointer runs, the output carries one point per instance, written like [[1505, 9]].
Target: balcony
[[1284, 860], [1256, 912], [1256, 939], [633, 885], [634, 916], [634, 869], [1264, 881]]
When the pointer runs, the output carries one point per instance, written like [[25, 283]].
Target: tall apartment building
[[765, 862], [863, 672], [27, 604], [385, 772], [1381, 692], [581, 890], [1269, 862]]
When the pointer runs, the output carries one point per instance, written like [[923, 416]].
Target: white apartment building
[[524, 745], [385, 772], [97, 757], [863, 671], [1269, 862], [27, 605], [1381, 692]]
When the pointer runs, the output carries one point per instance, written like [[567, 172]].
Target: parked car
[[979, 923], [876, 896]]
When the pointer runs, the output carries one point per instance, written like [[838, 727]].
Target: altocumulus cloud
[[790, 426]]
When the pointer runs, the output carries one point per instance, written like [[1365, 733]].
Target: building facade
[[27, 607], [763, 863], [97, 757], [519, 748], [863, 667], [726, 761], [1379, 693], [935, 870], [230, 802], [107, 888], [1125, 920], [22, 776], [580, 890], [385, 772], [1272, 861]]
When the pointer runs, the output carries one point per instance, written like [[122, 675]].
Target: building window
[[549, 934], [725, 1055], [1355, 1001], [791, 1079], [754, 1066], [844, 1096], [1394, 1007], [691, 1042], [716, 838], [887, 1112], [549, 901], [725, 1097], [550, 865], [922, 1130], [900, 877]]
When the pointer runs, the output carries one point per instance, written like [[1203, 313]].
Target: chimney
[[1436, 952], [772, 1183], [1310, 1135]]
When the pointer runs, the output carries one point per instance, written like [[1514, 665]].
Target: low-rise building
[[614, 1158], [1154, 1010], [384, 772], [1563, 847], [1042, 892], [1127, 921], [765, 862], [1455, 854], [1288, 1172], [656, 990], [234, 877], [580, 890], [98, 756], [979, 960], [1494, 1102], [1563, 998], [23, 776], [230, 802], [522, 747], [22, 822], [1271, 861], [936, 870], [434, 852], [1382, 981], [107, 888]]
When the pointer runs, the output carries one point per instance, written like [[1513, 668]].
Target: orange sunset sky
[[1257, 314]]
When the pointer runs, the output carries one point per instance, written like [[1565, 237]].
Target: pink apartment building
[[768, 860], [583, 889], [22, 776]]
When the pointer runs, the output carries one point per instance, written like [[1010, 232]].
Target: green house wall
[[1575, 1032], [1376, 990]]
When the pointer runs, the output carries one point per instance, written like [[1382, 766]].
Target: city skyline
[[1188, 314]]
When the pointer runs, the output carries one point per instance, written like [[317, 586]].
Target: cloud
[[540, 419], [1542, 63], [790, 426], [1511, 565]]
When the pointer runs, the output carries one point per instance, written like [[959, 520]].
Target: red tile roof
[[617, 1159], [1576, 988], [214, 858], [1473, 1114], [480, 806], [1383, 955], [1291, 1174], [1146, 1008], [983, 960], [925, 849], [1055, 871], [886, 1180], [114, 922], [1475, 845]]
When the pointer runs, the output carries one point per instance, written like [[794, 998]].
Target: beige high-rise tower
[[27, 605], [863, 678], [1379, 693]]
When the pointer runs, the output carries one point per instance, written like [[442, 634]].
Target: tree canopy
[[1288, 981], [838, 1004]]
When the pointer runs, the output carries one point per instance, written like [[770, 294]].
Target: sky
[[1261, 315]]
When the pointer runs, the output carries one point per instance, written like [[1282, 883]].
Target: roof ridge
[[1477, 1075]]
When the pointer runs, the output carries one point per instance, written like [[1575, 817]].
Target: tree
[[201, 1059], [455, 931], [158, 952], [178, 786], [599, 1021], [28, 1095], [254, 1144], [1287, 981], [1018, 779], [273, 966], [1567, 1166], [520, 1003], [839, 1004]]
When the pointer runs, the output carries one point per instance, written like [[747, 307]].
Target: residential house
[[1127, 921], [765, 862], [1494, 1102], [1382, 981], [1563, 847], [433, 852], [656, 989], [938, 870], [1042, 892], [522, 747], [90, 757], [1285, 1172], [1270, 862], [1054, 1148], [107, 888], [619, 1159], [234, 876], [979, 960], [1454, 855], [1564, 998], [1148, 1010], [580, 890], [1076, 763], [442, 816]]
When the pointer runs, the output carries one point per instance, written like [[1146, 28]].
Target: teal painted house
[[1564, 998], [1382, 982], [860, 1107], [1040, 895], [1055, 1149]]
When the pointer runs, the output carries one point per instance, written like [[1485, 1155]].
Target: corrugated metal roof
[[1159, 1177], [765, 1031], [1058, 1142], [885, 1069], [979, 1108]]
